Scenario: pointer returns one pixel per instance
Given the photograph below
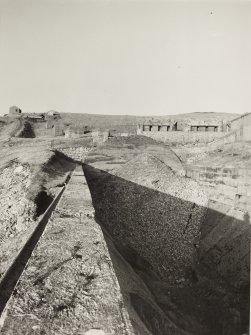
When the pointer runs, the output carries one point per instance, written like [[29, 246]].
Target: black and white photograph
[[125, 167]]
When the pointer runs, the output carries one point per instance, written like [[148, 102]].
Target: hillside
[[114, 123], [108, 121]]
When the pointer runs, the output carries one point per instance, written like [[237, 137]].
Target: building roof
[[35, 116], [239, 117], [158, 123], [52, 112], [204, 125]]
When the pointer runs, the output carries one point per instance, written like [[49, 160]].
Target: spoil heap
[[155, 217], [152, 213]]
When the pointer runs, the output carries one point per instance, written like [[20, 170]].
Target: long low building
[[194, 125], [155, 126]]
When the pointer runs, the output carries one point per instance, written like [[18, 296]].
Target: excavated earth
[[133, 249], [190, 251], [30, 176]]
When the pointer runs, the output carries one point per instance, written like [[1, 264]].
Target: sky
[[125, 57]]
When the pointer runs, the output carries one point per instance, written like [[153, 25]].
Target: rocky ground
[[17, 212], [30, 175], [119, 150]]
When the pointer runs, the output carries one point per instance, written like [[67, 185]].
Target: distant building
[[36, 117], [210, 126], [155, 125], [14, 111], [58, 129], [187, 125], [243, 124], [53, 114]]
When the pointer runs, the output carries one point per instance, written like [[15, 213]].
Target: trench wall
[[224, 253], [148, 226], [156, 227]]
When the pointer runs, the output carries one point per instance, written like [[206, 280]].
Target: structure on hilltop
[[36, 117], [242, 124], [195, 125], [156, 125], [14, 111], [53, 114], [197, 130]]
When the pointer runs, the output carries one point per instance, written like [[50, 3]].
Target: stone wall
[[230, 186], [224, 252], [183, 137], [243, 126]]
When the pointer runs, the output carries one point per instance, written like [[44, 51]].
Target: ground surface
[[114, 153], [109, 121]]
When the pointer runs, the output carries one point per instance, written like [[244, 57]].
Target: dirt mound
[[148, 170], [155, 218], [117, 151], [152, 212]]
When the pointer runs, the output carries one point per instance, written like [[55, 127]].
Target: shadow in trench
[[42, 201], [155, 233]]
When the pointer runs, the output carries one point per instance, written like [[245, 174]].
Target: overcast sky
[[125, 56]]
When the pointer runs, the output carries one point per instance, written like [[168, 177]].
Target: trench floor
[[69, 285]]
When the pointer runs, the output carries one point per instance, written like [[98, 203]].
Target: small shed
[[57, 130], [53, 113], [14, 111]]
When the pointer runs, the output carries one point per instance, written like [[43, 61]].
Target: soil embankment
[[119, 150], [146, 208], [27, 189], [150, 211], [176, 275]]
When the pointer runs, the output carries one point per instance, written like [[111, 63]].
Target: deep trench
[[175, 309], [201, 306]]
